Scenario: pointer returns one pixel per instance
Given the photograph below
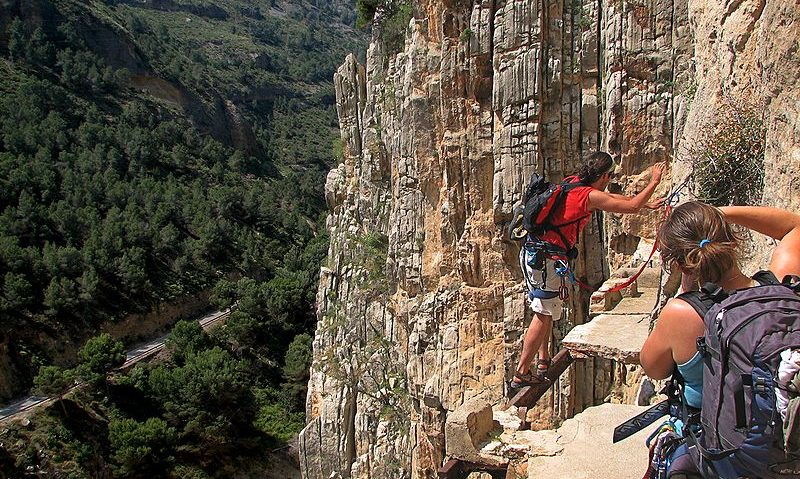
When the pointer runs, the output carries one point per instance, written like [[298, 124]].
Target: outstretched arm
[[652, 205], [613, 203], [776, 223]]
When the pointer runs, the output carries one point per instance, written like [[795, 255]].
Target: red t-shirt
[[575, 206]]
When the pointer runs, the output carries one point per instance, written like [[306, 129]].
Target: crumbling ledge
[[467, 430]]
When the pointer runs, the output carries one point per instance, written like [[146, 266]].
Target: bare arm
[[614, 203], [656, 355], [776, 223], [653, 205], [673, 340], [773, 222]]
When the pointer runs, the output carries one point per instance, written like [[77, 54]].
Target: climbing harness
[[533, 256], [564, 270]]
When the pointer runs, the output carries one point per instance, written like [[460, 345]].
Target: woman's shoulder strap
[[700, 301], [766, 277]]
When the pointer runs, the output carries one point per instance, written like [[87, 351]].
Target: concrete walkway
[[621, 321], [581, 448]]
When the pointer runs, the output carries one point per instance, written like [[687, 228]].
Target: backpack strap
[[712, 293], [674, 390], [766, 277], [792, 281], [699, 300], [679, 407]]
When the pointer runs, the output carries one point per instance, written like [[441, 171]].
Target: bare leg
[[536, 338], [544, 349]]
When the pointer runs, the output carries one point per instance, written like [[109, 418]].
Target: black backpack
[[745, 332], [540, 201]]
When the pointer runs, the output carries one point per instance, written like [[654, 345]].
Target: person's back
[[570, 217], [698, 240]]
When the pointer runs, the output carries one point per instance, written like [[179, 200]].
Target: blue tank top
[[692, 372]]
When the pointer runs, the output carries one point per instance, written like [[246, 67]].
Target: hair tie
[[704, 242]]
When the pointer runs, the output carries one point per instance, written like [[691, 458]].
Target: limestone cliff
[[420, 305], [749, 51]]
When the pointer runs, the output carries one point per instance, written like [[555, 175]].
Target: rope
[[674, 198], [627, 283], [670, 202]]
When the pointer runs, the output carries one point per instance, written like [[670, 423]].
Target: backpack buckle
[[715, 292], [760, 386], [701, 346]]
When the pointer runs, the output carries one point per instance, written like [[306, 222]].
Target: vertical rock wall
[[748, 51], [421, 302]]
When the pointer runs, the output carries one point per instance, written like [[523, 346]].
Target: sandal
[[524, 380], [542, 366]]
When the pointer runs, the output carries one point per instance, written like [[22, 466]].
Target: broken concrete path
[[611, 336], [581, 448]]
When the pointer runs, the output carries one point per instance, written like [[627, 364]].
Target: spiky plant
[[728, 156]]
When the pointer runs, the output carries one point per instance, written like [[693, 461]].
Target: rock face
[[749, 51], [421, 304], [466, 428]]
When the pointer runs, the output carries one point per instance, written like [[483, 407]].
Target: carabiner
[[563, 291], [563, 269]]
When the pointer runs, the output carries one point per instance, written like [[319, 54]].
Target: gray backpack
[[745, 332]]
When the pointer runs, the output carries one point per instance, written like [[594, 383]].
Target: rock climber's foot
[[524, 380], [542, 365]]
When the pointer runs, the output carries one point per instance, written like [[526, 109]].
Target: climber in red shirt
[[542, 255]]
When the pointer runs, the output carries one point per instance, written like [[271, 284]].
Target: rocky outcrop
[[420, 305], [466, 430]]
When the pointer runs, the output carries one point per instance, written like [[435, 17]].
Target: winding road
[[132, 356]]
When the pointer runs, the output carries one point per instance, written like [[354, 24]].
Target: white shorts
[[533, 280]]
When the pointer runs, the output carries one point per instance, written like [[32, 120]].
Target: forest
[[115, 199]]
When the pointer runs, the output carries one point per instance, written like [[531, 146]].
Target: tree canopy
[[148, 154]]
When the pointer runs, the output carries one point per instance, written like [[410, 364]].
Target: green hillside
[[150, 150]]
